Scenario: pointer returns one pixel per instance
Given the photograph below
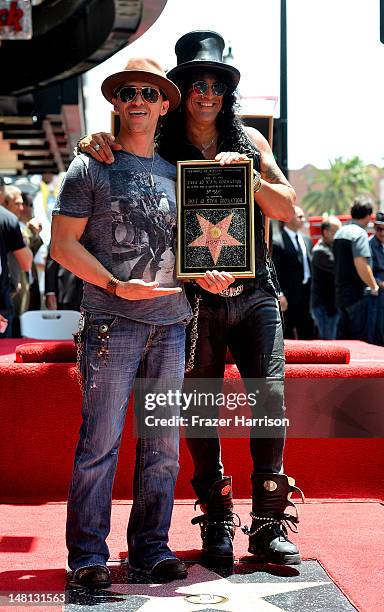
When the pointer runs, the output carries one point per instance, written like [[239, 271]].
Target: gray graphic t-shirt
[[130, 230]]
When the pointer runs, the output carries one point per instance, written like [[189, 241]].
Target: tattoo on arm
[[269, 169], [272, 173]]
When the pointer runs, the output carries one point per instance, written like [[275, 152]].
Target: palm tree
[[334, 190]]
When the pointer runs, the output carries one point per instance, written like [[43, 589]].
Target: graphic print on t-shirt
[[143, 227]]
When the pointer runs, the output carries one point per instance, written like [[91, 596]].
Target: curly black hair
[[232, 136]]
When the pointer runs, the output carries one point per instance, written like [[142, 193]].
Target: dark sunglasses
[[129, 93], [378, 228], [201, 87]]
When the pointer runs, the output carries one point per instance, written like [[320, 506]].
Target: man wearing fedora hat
[[376, 243], [244, 317], [110, 229]]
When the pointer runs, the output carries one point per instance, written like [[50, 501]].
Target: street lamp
[[283, 123]]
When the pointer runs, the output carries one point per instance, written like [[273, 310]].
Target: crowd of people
[[113, 227], [334, 289], [30, 279]]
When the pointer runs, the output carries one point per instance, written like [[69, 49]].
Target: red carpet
[[345, 537], [40, 416]]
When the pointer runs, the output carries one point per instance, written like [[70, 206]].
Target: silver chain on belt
[[194, 335], [79, 350]]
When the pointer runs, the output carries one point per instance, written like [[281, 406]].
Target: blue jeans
[[110, 366], [250, 325], [357, 321], [326, 323]]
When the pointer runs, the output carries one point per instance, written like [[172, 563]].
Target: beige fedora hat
[[142, 69]]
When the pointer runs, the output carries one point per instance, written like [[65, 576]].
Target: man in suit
[[291, 255]]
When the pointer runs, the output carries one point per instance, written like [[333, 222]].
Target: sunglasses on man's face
[[129, 93], [201, 87]]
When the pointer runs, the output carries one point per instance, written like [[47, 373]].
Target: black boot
[[217, 524], [268, 536]]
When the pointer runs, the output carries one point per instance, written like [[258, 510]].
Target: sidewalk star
[[244, 596]]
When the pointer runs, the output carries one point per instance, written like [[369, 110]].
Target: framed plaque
[[215, 218]]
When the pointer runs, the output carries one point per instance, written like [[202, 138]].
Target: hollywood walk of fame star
[[243, 596], [215, 237]]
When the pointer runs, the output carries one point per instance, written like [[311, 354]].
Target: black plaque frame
[[215, 202]]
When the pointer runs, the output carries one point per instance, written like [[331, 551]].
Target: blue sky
[[335, 68]]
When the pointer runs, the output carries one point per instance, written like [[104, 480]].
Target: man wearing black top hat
[[245, 317]]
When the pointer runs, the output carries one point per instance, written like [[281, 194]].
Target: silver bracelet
[[256, 181]]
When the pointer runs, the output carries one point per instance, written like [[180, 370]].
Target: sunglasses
[[129, 93], [201, 87], [379, 229]]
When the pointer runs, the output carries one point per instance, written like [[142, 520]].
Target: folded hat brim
[[111, 83], [229, 73]]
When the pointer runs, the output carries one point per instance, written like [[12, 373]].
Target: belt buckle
[[232, 291]]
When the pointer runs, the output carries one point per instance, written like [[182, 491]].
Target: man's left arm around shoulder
[[67, 250], [276, 196]]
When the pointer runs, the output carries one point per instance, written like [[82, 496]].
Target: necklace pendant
[[205, 147], [151, 180]]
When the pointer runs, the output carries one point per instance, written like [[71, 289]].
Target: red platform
[[40, 416]]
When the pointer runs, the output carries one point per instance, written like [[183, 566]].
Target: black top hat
[[379, 220], [202, 49]]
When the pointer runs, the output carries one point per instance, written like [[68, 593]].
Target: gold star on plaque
[[215, 236]]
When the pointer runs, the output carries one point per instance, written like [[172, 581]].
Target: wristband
[[112, 285], [256, 181]]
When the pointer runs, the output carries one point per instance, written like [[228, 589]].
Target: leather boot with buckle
[[268, 535], [217, 524]]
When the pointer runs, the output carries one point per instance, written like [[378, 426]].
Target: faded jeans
[[154, 352]]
